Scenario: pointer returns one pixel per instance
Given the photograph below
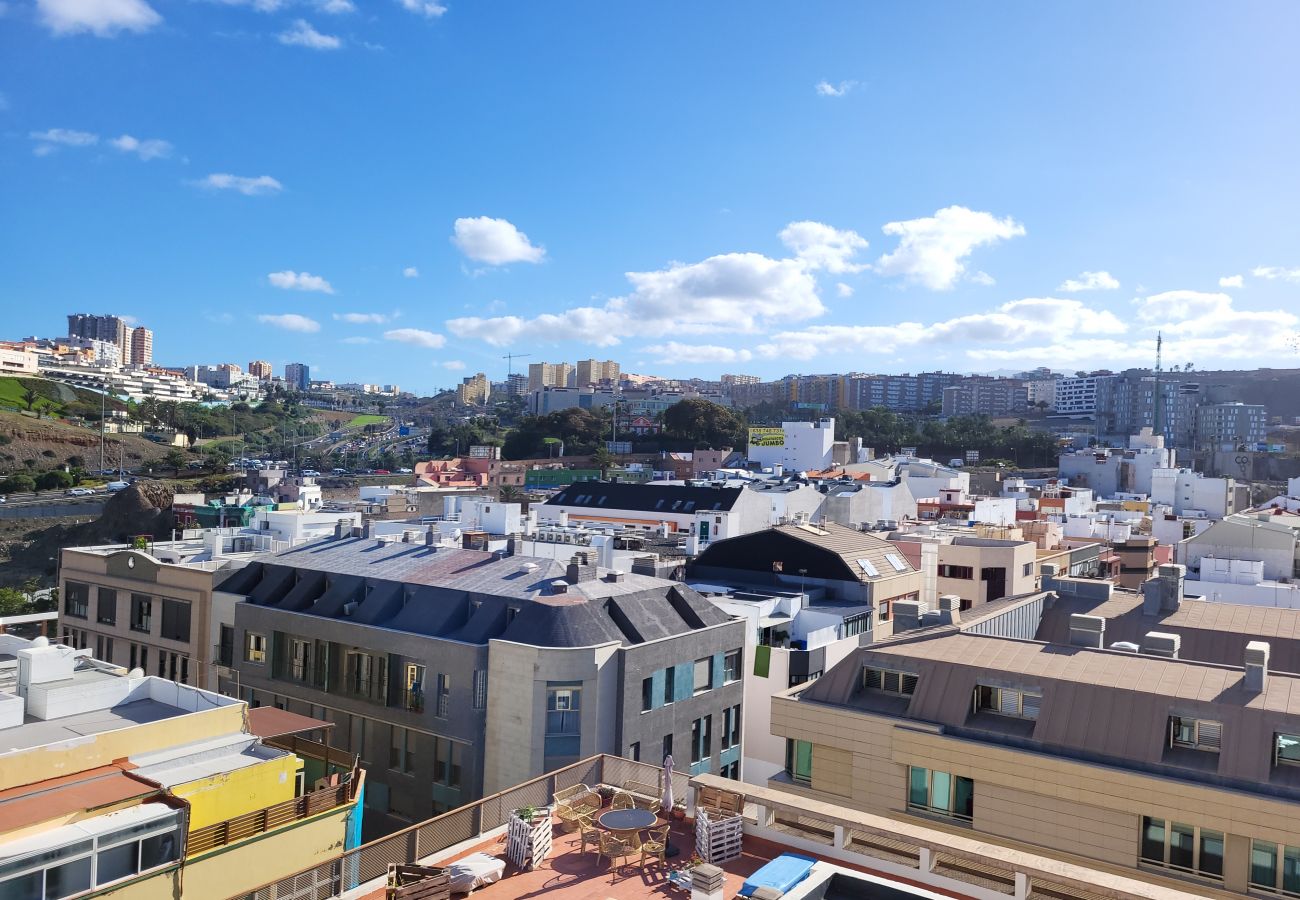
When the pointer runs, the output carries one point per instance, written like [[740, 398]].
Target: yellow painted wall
[[238, 869], [41, 763], [229, 794]]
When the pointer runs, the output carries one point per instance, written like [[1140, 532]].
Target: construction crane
[[510, 362], [1155, 413]]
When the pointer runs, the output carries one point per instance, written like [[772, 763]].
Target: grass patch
[[12, 389], [363, 420]]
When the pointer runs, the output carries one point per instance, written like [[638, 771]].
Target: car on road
[[80, 492], [194, 465], [404, 472], [114, 486], [311, 473], [382, 472]]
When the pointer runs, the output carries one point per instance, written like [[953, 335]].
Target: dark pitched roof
[[650, 498], [827, 551], [468, 595]]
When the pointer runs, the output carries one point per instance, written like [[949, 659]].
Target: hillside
[[48, 443], [52, 398]]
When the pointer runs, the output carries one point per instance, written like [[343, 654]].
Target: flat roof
[[270, 722], [52, 798], [38, 732]]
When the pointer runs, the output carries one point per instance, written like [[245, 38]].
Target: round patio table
[[623, 822]]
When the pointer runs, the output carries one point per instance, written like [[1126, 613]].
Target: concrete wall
[[216, 798]]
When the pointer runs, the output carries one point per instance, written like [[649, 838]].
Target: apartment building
[[297, 376], [1271, 538], [553, 399], [261, 370], [595, 371], [141, 344], [965, 564], [1110, 472], [474, 390], [110, 329], [901, 393], [115, 783], [544, 375], [1165, 757], [1231, 423], [984, 396], [454, 673]]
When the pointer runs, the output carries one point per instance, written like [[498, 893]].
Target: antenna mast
[[1156, 412]]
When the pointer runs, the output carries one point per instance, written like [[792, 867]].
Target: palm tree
[[29, 398], [509, 493], [603, 460]]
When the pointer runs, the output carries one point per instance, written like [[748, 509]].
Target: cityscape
[[771, 452]]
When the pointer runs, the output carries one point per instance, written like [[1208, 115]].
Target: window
[[76, 601], [299, 659], [367, 675], [731, 667], [413, 689], [401, 750], [883, 610], [254, 647], [141, 612], [480, 688], [564, 710], [703, 674], [889, 681], [1265, 871], [1195, 734], [732, 770], [1008, 702], [1028, 569], [104, 648], [798, 760], [647, 694], [731, 727], [442, 696], [176, 620], [634, 751], [226, 648], [1286, 749], [94, 862], [106, 606], [940, 793], [447, 757], [855, 625], [667, 745], [701, 739], [1187, 848], [966, 572]]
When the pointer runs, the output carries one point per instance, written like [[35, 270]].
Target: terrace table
[[623, 822]]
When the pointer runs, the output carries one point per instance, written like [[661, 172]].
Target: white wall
[[807, 447]]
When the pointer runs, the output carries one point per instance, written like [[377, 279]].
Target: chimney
[[1087, 631], [1162, 644], [950, 609], [907, 615], [1164, 592], [429, 537], [559, 586], [406, 536], [580, 569], [365, 530], [339, 527], [615, 576], [1257, 666]]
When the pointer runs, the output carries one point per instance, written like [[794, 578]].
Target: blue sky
[[405, 190]]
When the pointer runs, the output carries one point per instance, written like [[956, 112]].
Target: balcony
[[856, 853]]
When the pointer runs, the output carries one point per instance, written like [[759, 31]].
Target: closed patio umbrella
[[668, 785]]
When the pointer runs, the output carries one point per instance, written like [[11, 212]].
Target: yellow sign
[[767, 437]]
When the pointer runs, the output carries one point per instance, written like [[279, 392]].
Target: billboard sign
[[767, 437], [907, 451], [972, 456], [484, 451]]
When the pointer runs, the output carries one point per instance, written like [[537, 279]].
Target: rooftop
[[656, 498]]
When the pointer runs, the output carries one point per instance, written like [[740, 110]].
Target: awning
[[269, 722]]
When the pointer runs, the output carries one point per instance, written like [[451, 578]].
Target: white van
[[114, 486]]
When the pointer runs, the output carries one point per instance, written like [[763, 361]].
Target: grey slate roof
[[649, 498], [468, 595]]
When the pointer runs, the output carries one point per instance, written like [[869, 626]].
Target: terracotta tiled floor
[[569, 874]]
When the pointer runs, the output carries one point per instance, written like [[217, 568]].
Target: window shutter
[[1008, 702], [909, 684], [1209, 734], [872, 678], [1030, 705], [892, 682]]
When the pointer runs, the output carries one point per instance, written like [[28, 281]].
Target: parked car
[[80, 492], [114, 486], [405, 472], [194, 465], [382, 472]]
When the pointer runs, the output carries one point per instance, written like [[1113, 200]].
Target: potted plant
[[606, 792], [526, 813], [679, 809]]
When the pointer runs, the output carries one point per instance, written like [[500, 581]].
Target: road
[[54, 507]]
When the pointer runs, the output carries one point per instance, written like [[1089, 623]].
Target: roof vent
[[1125, 647], [559, 586], [1257, 666], [528, 568], [1087, 631], [615, 576], [1162, 644]]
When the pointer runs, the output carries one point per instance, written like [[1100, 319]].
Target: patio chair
[[575, 801], [611, 848], [622, 800], [589, 833], [655, 846]]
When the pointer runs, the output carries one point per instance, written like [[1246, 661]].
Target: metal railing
[[370, 861], [269, 818]]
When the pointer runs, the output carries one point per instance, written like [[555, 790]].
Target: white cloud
[[673, 352], [1274, 273], [291, 322], [410, 272], [824, 247], [1090, 281], [248, 186], [361, 318], [153, 148], [827, 89], [52, 138], [336, 7], [102, 18], [1232, 281], [733, 292], [1033, 318], [299, 281], [984, 279], [357, 340], [844, 290], [931, 249], [430, 9], [416, 336], [453, 365], [301, 34], [494, 241]]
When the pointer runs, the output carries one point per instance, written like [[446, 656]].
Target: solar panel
[[896, 562], [869, 567]]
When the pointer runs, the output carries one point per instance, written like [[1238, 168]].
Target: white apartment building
[[795, 446], [1186, 491], [1109, 472], [1078, 396]]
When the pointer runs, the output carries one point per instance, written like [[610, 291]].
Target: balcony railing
[[269, 818]]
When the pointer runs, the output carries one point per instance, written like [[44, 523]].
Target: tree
[[14, 602], [18, 484], [509, 493], [703, 422], [174, 459], [29, 398], [53, 480], [603, 459]]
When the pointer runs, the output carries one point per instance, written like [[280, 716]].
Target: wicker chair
[[622, 800], [644, 794], [589, 833], [656, 845], [612, 848], [572, 803]]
